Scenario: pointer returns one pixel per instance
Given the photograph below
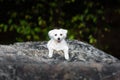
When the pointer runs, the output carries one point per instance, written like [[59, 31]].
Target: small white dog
[[57, 42]]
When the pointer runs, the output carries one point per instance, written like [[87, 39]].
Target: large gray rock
[[29, 61]]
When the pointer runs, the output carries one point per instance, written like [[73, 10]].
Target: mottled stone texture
[[29, 61]]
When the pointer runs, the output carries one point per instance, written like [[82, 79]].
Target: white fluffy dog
[[57, 42]]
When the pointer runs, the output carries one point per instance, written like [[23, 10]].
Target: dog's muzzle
[[58, 40]]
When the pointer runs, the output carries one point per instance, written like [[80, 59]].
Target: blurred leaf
[[28, 37], [82, 25], [36, 37], [23, 22], [11, 28], [37, 29], [90, 4], [13, 14], [5, 28], [19, 39], [53, 4], [95, 19], [9, 21], [86, 11], [100, 11], [1, 25], [71, 37], [92, 40], [69, 1]]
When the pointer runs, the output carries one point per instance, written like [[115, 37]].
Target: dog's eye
[[60, 34], [55, 34]]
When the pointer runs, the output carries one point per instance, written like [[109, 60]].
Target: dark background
[[93, 21]]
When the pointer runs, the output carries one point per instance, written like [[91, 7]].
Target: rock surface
[[29, 61]]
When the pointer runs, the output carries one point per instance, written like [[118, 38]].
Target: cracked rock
[[30, 61]]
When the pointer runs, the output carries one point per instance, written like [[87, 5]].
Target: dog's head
[[57, 34]]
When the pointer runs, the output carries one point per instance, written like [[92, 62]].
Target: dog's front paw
[[50, 55], [66, 56]]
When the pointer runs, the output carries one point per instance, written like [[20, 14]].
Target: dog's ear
[[50, 33], [64, 31]]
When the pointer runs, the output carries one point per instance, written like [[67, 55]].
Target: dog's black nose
[[58, 38]]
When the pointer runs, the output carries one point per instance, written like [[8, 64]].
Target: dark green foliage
[[32, 19]]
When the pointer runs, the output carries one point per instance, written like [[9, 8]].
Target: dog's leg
[[66, 54], [50, 53]]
